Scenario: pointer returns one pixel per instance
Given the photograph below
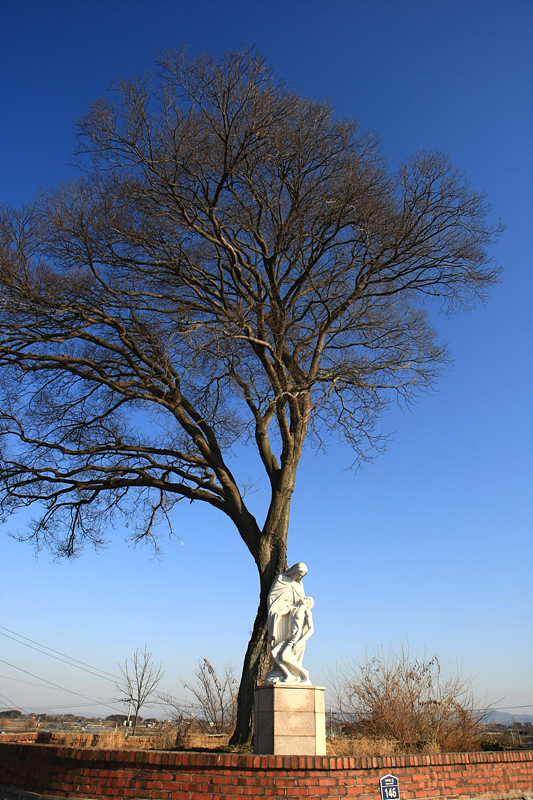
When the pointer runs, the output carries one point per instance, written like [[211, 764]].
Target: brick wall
[[59, 771]]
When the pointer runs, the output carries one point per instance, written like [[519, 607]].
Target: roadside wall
[[58, 771]]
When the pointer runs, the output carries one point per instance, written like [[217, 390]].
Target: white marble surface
[[290, 624]]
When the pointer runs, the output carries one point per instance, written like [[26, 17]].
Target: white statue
[[290, 624]]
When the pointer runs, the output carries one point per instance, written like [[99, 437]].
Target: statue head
[[297, 571]]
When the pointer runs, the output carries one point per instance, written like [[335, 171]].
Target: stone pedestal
[[290, 720]]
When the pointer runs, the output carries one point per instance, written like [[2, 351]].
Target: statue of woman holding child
[[290, 624]]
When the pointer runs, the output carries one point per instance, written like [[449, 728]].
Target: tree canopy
[[234, 263]]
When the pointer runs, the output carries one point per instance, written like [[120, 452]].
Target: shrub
[[396, 697]]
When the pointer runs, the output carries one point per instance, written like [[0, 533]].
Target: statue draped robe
[[290, 624]]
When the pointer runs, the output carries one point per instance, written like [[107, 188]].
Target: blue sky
[[432, 542]]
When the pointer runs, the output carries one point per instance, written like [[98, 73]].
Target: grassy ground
[[170, 740]]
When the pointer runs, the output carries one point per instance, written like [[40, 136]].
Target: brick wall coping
[[240, 761]]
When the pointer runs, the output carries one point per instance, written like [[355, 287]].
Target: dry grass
[[199, 741], [116, 740], [366, 746], [168, 739]]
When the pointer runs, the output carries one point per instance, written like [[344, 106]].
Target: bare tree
[[398, 697], [215, 708], [216, 696], [139, 681], [182, 715], [234, 263]]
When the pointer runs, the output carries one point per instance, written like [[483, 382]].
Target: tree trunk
[[254, 665], [271, 560]]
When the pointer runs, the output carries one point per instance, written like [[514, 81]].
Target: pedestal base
[[290, 720]]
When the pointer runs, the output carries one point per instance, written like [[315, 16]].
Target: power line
[[75, 705], [97, 669], [55, 657], [70, 691], [29, 683], [57, 689], [11, 703]]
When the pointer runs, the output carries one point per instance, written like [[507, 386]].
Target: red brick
[[165, 775], [218, 779]]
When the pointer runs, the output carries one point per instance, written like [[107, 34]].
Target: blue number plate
[[389, 787]]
